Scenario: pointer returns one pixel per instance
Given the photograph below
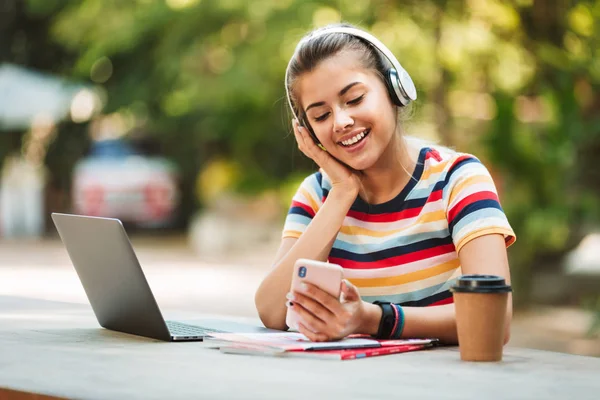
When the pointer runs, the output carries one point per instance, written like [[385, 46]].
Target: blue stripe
[[319, 177], [446, 294], [422, 194], [459, 168], [406, 298], [298, 219], [314, 182], [418, 298], [455, 168], [397, 203], [439, 184], [392, 242], [299, 211], [391, 252], [443, 180], [481, 214], [473, 207]]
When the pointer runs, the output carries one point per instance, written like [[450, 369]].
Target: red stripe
[[390, 217], [486, 195], [435, 196], [395, 261], [304, 207], [432, 153], [397, 216], [449, 300], [459, 159]]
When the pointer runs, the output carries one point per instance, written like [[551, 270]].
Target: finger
[[313, 310], [299, 137], [308, 141], [349, 291], [328, 301], [310, 321], [315, 337]]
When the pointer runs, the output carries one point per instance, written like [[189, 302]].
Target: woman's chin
[[360, 164]]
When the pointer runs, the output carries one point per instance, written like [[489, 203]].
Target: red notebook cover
[[345, 354], [351, 354]]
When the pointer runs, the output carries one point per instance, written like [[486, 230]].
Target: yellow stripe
[[292, 234], [407, 278], [422, 219], [434, 169], [410, 287], [468, 182], [310, 199], [506, 232]]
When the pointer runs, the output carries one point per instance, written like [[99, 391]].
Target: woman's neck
[[391, 173]]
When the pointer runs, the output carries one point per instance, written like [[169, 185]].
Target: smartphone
[[326, 276]]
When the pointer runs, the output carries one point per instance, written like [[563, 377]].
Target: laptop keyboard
[[181, 329]]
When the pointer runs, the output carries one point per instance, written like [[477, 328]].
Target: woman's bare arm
[[315, 243], [483, 255]]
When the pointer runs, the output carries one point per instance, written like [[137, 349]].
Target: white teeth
[[354, 139]]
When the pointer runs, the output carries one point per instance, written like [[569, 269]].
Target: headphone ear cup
[[305, 124], [392, 83]]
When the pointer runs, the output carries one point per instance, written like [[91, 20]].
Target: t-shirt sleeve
[[305, 204], [472, 205]]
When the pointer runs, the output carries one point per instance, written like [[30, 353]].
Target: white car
[[116, 181]]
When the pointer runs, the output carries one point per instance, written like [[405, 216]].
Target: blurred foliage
[[215, 178], [591, 303], [516, 82]]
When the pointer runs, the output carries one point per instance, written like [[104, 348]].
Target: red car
[[118, 182]]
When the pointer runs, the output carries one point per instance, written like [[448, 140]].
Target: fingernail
[[290, 296]]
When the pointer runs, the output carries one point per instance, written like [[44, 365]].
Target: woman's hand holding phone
[[322, 317], [341, 176]]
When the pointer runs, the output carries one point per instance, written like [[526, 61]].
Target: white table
[[58, 349]]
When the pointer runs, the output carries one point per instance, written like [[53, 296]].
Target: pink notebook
[[341, 354], [352, 354]]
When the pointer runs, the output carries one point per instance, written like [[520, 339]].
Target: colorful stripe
[[405, 251]]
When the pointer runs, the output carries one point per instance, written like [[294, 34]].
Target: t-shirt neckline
[[363, 206]]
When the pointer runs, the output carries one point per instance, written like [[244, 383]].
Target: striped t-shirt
[[405, 250]]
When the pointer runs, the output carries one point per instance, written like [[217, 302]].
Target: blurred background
[[171, 115]]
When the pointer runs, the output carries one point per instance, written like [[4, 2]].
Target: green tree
[[514, 82]]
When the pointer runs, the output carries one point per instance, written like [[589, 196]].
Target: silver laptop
[[115, 284]]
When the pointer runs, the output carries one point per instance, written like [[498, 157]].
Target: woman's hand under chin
[[322, 317], [342, 177]]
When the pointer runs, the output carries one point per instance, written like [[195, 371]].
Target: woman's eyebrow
[[341, 93], [346, 88]]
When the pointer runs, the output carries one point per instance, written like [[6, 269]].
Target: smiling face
[[349, 109]]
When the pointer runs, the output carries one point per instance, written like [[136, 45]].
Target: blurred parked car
[[116, 180]]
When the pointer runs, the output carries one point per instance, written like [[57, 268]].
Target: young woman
[[403, 220]]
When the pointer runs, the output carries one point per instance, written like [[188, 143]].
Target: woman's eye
[[321, 117], [356, 100]]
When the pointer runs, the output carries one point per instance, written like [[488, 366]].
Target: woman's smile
[[349, 110], [355, 142]]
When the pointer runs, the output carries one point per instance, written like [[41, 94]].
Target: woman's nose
[[342, 120]]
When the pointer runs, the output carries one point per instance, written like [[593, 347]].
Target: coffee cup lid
[[480, 284]]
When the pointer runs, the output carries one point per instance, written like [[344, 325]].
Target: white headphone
[[399, 83]]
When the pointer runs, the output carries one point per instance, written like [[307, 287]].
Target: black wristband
[[388, 320]]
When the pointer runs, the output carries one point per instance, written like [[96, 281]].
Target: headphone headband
[[405, 89]]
